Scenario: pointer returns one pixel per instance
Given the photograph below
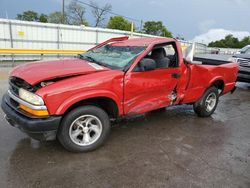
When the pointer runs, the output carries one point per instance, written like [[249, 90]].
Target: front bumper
[[243, 77], [244, 73], [38, 128]]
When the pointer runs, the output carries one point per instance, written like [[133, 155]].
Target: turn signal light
[[34, 112]]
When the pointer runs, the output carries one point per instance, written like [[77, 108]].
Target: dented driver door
[[150, 90]]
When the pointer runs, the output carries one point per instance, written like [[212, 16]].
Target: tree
[[43, 18], [75, 14], [99, 13], [245, 41], [28, 16], [55, 17], [156, 28], [230, 42], [32, 16], [118, 22]]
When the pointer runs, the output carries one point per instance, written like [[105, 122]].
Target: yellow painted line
[[38, 51]]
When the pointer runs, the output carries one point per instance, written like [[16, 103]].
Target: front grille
[[13, 103], [16, 83], [14, 89], [244, 62]]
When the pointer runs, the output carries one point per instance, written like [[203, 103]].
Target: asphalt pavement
[[165, 148]]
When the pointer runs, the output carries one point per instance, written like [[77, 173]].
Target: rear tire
[[207, 104], [84, 129]]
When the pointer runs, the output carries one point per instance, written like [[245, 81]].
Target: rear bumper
[[38, 128]]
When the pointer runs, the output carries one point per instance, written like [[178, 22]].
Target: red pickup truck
[[75, 99]]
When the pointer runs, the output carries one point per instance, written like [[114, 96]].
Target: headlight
[[30, 97]]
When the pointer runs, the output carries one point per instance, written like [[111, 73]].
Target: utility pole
[[63, 16], [141, 26], [132, 29]]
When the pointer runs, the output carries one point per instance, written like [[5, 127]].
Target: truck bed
[[210, 59]]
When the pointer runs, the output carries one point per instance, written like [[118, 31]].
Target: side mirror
[[147, 64]]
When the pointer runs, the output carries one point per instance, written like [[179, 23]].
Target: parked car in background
[[75, 99], [245, 50], [243, 59]]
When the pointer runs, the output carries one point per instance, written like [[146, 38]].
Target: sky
[[198, 20]]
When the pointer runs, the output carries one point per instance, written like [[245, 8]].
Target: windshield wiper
[[87, 57], [91, 59]]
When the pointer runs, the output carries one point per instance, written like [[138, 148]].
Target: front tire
[[206, 106], [84, 129]]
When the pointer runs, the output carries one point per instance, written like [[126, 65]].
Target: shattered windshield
[[113, 56]]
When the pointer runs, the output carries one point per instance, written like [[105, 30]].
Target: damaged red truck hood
[[36, 72]]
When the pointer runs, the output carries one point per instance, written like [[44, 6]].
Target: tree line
[[75, 15], [230, 42]]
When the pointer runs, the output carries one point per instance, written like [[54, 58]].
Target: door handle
[[176, 75]]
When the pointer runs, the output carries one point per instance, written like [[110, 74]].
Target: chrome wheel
[[210, 102], [85, 130]]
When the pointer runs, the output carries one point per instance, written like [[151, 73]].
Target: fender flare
[[89, 95], [215, 79]]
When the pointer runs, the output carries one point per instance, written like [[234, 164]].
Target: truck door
[[148, 90]]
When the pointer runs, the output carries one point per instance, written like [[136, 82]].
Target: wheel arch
[[106, 103], [219, 84], [106, 100]]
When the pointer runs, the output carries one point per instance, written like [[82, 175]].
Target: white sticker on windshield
[[97, 67]]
